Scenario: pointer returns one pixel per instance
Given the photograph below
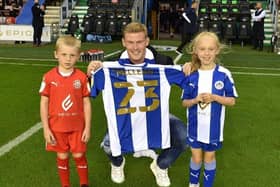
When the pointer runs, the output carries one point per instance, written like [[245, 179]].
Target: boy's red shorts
[[68, 142]]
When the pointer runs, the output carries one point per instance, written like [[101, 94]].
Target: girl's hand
[[187, 67], [207, 97]]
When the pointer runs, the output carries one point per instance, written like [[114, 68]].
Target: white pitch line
[[36, 59], [257, 68], [238, 73], [257, 74], [16, 141], [113, 53], [27, 59], [178, 57]]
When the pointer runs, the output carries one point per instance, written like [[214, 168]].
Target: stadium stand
[[109, 18], [225, 18]]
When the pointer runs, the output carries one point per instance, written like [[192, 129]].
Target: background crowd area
[[12, 8], [103, 22]]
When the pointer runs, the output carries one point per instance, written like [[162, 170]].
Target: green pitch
[[250, 153]]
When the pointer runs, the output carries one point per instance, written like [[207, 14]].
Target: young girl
[[209, 89], [65, 110]]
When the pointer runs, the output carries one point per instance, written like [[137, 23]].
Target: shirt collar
[[149, 59]]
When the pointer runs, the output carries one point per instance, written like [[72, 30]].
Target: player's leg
[[209, 168], [82, 168], [210, 163], [78, 149], [117, 162], [178, 133], [195, 163], [62, 162]]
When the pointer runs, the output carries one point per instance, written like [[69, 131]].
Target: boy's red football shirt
[[66, 111]]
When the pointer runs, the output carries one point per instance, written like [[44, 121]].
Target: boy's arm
[[87, 114], [44, 106]]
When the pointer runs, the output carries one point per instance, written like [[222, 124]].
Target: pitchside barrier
[[92, 54]]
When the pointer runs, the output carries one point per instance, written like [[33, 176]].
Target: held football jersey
[[136, 103], [65, 99], [206, 121]]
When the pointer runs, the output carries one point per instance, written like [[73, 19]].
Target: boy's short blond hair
[[135, 27], [69, 41]]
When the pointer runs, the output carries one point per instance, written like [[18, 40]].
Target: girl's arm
[[208, 98], [190, 102]]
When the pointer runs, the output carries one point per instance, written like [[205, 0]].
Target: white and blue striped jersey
[[206, 121], [136, 103]]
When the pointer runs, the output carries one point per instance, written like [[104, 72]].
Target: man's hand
[[93, 66], [187, 67]]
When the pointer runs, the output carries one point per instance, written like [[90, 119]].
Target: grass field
[[250, 153]]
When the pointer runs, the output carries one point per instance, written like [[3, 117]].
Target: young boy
[[66, 110]]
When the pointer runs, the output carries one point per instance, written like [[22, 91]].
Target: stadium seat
[[234, 11], [203, 8], [234, 2], [203, 22], [244, 8], [244, 30], [230, 30], [214, 9], [203, 25], [88, 24], [99, 23], [73, 24], [214, 2], [215, 26], [224, 2], [224, 9], [124, 2], [111, 24], [122, 22], [92, 10]]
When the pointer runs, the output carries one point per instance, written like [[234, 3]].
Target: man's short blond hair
[[135, 27], [69, 41]]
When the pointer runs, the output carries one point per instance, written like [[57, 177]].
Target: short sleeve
[[97, 83]]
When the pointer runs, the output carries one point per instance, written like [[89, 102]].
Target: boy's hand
[[49, 137], [86, 135], [93, 66]]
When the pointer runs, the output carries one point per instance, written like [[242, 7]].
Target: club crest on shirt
[[219, 85], [77, 84]]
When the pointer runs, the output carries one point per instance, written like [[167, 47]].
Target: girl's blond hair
[[69, 41], [195, 62]]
